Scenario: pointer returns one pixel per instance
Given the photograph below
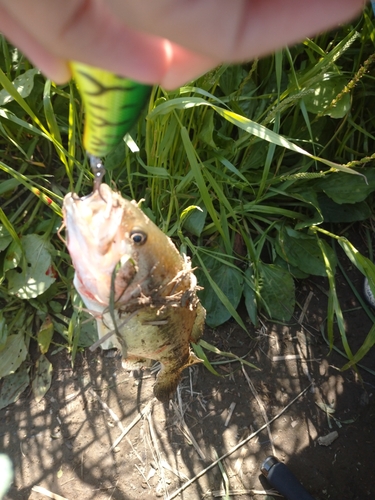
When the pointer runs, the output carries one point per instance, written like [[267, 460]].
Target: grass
[[254, 170]]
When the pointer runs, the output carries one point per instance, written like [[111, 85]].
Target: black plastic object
[[283, 480]]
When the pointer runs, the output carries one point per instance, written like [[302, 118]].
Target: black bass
[[134, 281]]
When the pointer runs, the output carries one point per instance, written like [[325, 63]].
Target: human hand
[[166, 42]]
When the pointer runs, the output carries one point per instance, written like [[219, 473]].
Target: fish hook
[[98, 170]]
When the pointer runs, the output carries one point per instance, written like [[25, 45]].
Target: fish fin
[[135, 363], [166, 385], [199, 322], [193, 360], [169, 378]]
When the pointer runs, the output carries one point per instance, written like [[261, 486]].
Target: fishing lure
[[113, 104]]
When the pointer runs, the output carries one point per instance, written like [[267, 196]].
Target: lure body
[[112, 103]]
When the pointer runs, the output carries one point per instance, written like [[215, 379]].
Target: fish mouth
[[95, 239], [93, 220], [101, 200]]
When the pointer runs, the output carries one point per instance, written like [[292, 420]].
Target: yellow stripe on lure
[[113, 104]]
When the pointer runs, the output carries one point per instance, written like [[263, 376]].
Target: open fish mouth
[[94, 219], [95, 241]]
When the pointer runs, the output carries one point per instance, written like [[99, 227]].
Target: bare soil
[[63, 443]]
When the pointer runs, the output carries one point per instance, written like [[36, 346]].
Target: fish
[[133, 280]]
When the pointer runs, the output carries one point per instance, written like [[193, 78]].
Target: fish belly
[[161, 336]]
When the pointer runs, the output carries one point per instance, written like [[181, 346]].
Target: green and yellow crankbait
[[113, 104]]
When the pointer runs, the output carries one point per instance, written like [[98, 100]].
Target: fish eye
[[138, 237]]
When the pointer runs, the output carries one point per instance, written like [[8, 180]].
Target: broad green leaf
[[44, 336], [309, 196], [302, 250], [324, 92], [23, 84], [81, 328], [7, 187], [277, 291], [345, 212], [13, 256], [231, 79], [257, 156], [13, 386], [343, 189], [195, 220], [42, 379], [12, 354], [293, 270], [88, 332], [37, 275], [5, 238], [228, 280]]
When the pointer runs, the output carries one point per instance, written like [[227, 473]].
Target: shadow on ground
[[63, 443]]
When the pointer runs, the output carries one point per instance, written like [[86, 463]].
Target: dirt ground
[[63, 443]]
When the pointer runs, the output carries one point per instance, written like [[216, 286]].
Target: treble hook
[[98, 170]]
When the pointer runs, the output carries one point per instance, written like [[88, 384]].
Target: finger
[[83, 31], [210, 30], [237, 30], [180, 65], [184, 66], [53, 67]]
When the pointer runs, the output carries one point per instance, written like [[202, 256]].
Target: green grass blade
[[215, 350], [197, 172], [201, 355], [51, 121], [9, 227], [335, 305]]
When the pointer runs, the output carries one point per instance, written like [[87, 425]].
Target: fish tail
[[169, 378]]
